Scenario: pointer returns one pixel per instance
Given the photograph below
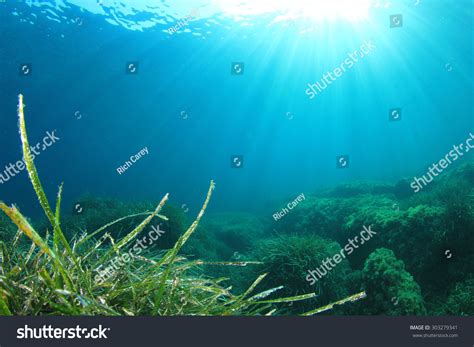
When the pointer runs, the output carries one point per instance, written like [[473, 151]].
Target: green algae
[[399, 293]]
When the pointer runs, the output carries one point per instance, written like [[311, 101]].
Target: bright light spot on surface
[[320, 10]]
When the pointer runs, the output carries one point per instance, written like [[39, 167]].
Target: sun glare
[[318, 10]]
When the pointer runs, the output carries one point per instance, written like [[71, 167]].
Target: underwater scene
[[236, 157]]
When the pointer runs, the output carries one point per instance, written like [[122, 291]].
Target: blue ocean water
[[218, 90]]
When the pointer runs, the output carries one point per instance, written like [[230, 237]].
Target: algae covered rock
[[391, 290], [414, 233], [352, 189], [232, 232], [381, 212], [317, 215]]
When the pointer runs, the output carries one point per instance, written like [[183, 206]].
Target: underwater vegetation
[[7, 229], [230, 255], [217, 271], [460, 302], [287, 258], [431, 233], [399, 294], [57, 275], [231, 234], [94, 211], [420, 238]]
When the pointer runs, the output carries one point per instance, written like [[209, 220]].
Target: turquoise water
[[197, 114]]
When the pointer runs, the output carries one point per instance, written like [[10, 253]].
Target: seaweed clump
[[390, 288], [59, 276], [288, 258]]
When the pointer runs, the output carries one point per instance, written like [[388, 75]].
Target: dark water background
[[193, 114]]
